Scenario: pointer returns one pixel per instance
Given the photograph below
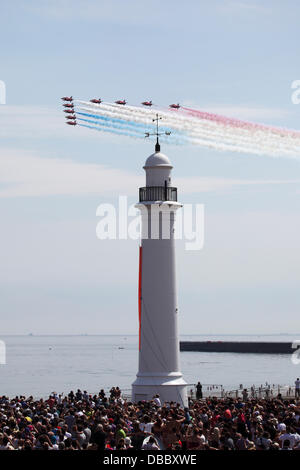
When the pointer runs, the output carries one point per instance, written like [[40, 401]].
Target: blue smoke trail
[[108, 123], [150, 126], [111, 130], [133, 127], [117, 120], [108, 126]]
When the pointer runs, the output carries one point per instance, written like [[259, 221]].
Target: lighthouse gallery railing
[[158, 193]]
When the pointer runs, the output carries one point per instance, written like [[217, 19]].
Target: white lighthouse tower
[[159, 369]]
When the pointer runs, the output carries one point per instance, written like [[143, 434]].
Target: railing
[[158, 193], [263, 391], [219, 391], [208, 390]]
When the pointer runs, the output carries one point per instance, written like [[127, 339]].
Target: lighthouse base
[[169, 387]]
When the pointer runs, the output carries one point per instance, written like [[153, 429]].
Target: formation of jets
[[70, 111]]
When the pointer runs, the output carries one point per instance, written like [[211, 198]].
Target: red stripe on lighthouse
[[140, 295]]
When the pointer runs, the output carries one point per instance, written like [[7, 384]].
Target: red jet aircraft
[[69, 110], [121, 102], [71, 117], [68, 105], [175, 106], [147, 103], [72, 123], [96, 101], [67, 98]]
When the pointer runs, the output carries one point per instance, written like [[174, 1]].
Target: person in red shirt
[[227, 414], [215, 418], [51, 402]]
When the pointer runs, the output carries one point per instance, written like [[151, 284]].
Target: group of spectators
[[81, 421]]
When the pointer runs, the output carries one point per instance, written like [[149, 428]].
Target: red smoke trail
[[227, 121]]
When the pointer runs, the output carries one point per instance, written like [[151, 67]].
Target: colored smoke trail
[[139, 115], [120, 130], [207, 130], [191, 126], [209, 135], [111, 130], [238, 123], [131, 126]]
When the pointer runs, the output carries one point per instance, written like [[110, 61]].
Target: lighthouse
[[159, 366]]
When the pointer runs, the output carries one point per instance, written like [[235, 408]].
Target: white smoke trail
[[137, 133], [227, 137], [256, 138], [200, 131], [148, 121], [232, 139]]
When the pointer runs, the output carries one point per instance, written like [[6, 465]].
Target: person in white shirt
[[281, 427], [157, 401], [5, 444], [293, 438], [146, 427]]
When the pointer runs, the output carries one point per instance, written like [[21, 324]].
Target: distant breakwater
[[237, 347]]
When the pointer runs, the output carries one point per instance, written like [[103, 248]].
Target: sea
[[40, 365]]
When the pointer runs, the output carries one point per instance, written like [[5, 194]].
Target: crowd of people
[[81, 421]]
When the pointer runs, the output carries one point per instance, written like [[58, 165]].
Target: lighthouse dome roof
[[158, 159]]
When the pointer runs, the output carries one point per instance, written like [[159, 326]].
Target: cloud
[[27, 121], [207, 184], [24, 173], [32, 121]]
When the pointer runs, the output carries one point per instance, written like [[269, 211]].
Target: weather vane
[[147, 134]]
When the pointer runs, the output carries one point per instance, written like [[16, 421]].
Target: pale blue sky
[[237, 57]]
